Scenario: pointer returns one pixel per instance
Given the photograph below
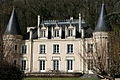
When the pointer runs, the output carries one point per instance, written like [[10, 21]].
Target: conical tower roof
[[101, 24], [13, 27]]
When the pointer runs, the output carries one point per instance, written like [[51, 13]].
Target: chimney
[[80, 22], [30, 34], [38, 26], [38, 20], [82, 33]]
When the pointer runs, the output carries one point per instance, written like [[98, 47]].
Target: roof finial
[[71, 19], [38, 21]]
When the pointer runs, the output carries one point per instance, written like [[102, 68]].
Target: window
[[42, 49], [70, 32], [42, 65], [24, 49], [56, 33], [55, 48], [90, 64], [15, 62], [70, 48], [43, 33], [108, 47], [23, 65], [90, 47], [16, 47], [55, 64], [69, 65]]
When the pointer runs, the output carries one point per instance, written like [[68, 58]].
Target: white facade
[[55, 54]]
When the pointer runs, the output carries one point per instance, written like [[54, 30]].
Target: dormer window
[[70, 32], [43, 33], [56, 33]]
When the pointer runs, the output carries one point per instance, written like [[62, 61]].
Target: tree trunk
[[112, 78]]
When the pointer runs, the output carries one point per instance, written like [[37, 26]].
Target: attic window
[[43, 33], [90, 47], [56, 33], [70, 32]]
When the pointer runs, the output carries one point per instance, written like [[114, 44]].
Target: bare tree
[[104, 55], [8, 51]]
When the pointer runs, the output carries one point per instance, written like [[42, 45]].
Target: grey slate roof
[[101, 24], [62, 22], [88, 31], [13, 26]]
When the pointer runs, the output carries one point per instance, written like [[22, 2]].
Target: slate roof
[[62, 22], [49, 24], [101, 24], [13, 25]]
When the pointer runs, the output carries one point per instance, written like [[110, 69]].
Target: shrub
[[10, 72]]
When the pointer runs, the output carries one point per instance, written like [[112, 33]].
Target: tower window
[[24, 49], [15, 62], [90, 47], [16, 47], [90, 64], [23, 64]]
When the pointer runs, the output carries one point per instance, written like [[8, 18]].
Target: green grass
[[60, 79]]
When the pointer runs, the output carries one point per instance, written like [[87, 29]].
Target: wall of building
[[49, 56]]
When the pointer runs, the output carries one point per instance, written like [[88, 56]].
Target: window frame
[[56, 33], [56, 65], [42, 65], [23, 65], [16, 47], [56, 49], [42, 48], [70, 65], [90, 48], [90, 64], [70, 48], [24, 49]]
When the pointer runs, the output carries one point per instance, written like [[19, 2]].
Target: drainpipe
[[31, 52]]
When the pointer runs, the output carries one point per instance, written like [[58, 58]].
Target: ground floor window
[[42, 65], [15, 62], [90, 64], [55, 64], [23, 65], [69, 65]]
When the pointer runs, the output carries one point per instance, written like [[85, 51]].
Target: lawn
[[60, 79]]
